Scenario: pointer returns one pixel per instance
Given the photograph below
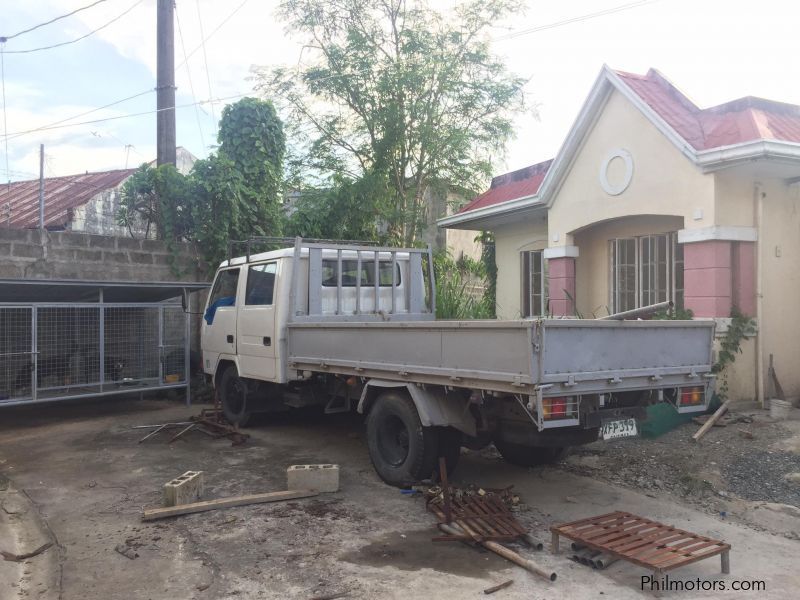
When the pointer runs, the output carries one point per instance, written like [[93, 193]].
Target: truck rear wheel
[[233, 393], [401, 449], [530, 456]]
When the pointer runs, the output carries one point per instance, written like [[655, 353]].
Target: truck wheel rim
[[393, 441]]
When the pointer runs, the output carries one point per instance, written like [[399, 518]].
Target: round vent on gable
[[616, 172]]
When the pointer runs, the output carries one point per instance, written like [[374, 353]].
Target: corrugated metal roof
[[61, 195], [744, 120], [510, 186]]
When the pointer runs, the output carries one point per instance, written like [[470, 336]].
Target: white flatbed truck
[[353, 326]]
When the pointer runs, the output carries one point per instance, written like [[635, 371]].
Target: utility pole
[[165, 84], [41, 186]]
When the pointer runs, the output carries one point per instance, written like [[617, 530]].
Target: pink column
[[561, 281], [744, 278], [707, 278]]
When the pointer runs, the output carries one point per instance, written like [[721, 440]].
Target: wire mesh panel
[[173, 341], [68, 350], [59, 351], [132, 345], [16, 353]]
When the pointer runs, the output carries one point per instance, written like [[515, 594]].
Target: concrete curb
[[23, 530]]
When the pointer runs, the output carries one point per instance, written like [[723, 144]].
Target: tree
[[400, 92], [232, 195], [344, 211]]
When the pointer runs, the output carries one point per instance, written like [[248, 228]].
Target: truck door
[[256, 323], [218, 332]]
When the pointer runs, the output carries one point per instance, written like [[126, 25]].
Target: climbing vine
[[740, 327]]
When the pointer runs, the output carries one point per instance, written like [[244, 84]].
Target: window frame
[[222, 272], [648, 252], [529, 295], [247, 288], [368, 269]]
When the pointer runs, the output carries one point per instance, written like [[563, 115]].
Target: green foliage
[[673, 314], [233, 194], [488, 258], [398, 91], [740, 327], [345, 211], [454, 299]]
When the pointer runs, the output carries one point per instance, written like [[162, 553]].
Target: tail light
[[692, 396], [560, 407]]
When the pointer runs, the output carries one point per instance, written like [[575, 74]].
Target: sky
[[713, 50]]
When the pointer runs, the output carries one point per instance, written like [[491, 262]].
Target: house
[[651, 198], [86, 203]]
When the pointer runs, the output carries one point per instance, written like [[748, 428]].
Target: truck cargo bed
[[562, 355]]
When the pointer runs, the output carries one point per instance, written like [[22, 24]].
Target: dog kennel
[[71, 339]]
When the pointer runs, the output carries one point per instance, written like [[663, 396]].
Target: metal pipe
[[510, 555], [636, 313]]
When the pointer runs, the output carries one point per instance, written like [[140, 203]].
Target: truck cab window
[[350, 273], [260, 284], [223, 293]]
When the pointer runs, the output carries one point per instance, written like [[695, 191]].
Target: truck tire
[[530, 456], [401, 449], [233, 394]]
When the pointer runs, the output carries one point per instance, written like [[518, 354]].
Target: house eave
[[477, 219]]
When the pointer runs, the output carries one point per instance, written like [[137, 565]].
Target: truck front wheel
[[401, 449], [233, 394], [530, 456]]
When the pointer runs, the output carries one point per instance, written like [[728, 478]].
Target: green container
[[661, 418]]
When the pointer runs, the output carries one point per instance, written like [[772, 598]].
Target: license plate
[[618, 429]]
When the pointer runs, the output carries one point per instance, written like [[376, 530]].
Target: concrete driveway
[[75, 475]]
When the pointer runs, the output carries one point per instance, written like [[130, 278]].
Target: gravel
[[724, 464]]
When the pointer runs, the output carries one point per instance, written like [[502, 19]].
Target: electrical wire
[[210, 35], [69, 14], [191, 84], [78, 39], [83, 114], [115, 118], [586, 17], [205, 59]]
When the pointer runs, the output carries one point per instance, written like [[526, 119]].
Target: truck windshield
[[350, 273]]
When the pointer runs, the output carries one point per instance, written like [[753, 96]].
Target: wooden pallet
[[487, 517], [643, 542]]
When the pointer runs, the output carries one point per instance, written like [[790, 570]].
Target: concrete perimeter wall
[[31, 254]]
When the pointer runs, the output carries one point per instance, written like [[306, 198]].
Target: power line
[[191, 84], [83, 37], [83, 114], [577, 19], [205, 59], [69, 14], [139, 114], [210, 35]]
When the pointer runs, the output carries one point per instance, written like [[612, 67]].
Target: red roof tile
[[61, 196], [743, 120], [511, 186]]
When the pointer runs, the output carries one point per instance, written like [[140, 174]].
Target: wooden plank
[[710, 423], [639, 532], [683, 561], [560, 528], [151, 514], [586, 528]]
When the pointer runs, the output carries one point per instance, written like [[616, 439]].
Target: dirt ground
[[74, 475]]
